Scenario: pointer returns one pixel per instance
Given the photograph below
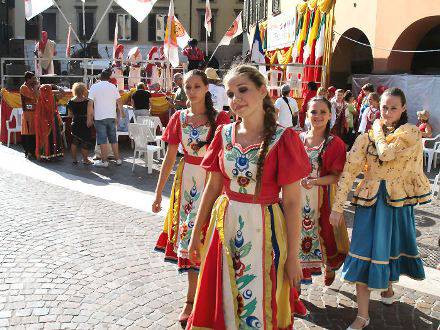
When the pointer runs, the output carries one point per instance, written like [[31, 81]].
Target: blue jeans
[[105, 130]]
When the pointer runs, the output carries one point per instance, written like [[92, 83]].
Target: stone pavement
[[74, 260]]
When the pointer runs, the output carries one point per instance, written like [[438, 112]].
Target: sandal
[[388, 301], [75, 162], [183, 318], [329, 277], [88, 162], [366, 323]]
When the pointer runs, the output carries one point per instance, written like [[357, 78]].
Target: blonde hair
[[321, 90], [79, 89]]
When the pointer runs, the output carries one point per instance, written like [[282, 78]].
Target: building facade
[[149, 33]]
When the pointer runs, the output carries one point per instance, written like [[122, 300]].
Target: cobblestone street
[[76, 261]]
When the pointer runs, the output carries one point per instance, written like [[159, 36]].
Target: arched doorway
[[350, 58], [422, 34]]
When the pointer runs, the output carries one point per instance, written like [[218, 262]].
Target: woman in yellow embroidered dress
[[383, 244], [247, 277], [194, 128]]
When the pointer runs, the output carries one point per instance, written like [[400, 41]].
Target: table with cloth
[[11, 99]]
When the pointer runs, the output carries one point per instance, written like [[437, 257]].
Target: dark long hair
[[270, 123], [210, 110], [327, 128], [394, 91]]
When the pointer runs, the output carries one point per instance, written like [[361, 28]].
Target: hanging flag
[[33, 7], [181, 34], [319, 48], [208, 17], [171, 49], [257, 52], [139, 9], [68, 42], [302, 37], [234, 30], [311, 38], [115, 39]]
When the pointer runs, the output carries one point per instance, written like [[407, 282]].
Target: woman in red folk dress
[[194, 128], [251, 250], [321, 244]]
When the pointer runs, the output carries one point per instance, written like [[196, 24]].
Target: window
[[276, 7], [127, 27], [157, 24], [202, 26], [50, 25], [261, 10], [90, 24]]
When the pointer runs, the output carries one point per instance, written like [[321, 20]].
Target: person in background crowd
[[367, 89], [383, 244], [361, 100], [350, 115], [309, 94], [29, 92], [117, 71], [217, 90], [251, 241], [331, 92], [423, 123], [45, 51], [372, 112], [140, 101], [322, 92], [380, 89], [195, 55], [287, 108], [321, 244], [104, 110], [338, 123], [48, 125], [81, 134], [193, 128], [134, 60], [180, 99]]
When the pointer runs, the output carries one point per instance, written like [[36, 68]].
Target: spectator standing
[[104, 109], [195, 55], [81, 134], [309, 94], [180, 97], [217, 90], [287, 108], [29, 96]]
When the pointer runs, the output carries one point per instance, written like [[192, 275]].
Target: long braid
[[270, 127]]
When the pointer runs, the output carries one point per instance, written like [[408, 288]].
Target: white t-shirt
[[104, 96], [219, 97], [284, 115]]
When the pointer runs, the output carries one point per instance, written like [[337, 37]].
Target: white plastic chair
[[16, 113], [142, 135], [154, 123], [429, 152], [436, 186], [274, 78]]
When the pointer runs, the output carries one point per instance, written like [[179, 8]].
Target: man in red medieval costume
[[153, 73], [134, 59], [117, 72], [45, 51]]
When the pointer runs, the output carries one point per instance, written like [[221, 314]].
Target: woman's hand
[[194, 247], [293, 270], [336, 218], [156, 206]]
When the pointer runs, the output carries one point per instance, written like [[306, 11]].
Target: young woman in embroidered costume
[[251, 253], [383, 244], [194, 128], [320, 244]]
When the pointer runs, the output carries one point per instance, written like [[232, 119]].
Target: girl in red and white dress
[[193, 128], [251, 264]]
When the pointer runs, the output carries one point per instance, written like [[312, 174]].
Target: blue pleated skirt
[[383, 245]]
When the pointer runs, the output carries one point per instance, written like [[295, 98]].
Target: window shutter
[[151, 27], [111, 26], [134, 29]]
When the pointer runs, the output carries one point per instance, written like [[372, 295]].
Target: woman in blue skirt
[[383, 244]]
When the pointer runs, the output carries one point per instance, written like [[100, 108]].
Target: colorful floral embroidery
[[246, 303], [192, 136], [187, 215]]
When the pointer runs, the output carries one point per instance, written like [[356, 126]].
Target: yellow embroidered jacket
[[396, 158]]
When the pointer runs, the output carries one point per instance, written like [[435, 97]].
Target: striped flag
[[181, 35], [208, 18], [68, 41]]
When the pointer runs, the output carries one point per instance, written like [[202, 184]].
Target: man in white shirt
[[104, 111], [287, 108], [218, 92]]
